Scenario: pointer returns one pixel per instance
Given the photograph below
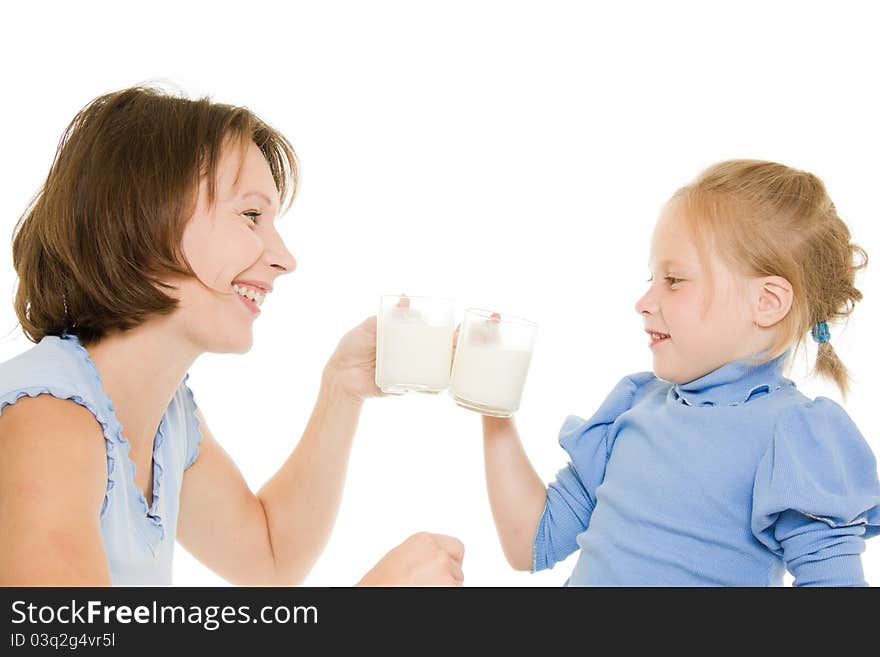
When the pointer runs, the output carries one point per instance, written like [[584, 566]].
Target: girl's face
[[708, 321], [233, 243]]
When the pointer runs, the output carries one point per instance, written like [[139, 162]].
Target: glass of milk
[[414, 338], [491, 362]]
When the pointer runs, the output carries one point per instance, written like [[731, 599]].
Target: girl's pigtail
[[829, 365]]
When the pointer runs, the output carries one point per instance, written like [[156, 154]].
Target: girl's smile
[[709, 314], [656, 337]]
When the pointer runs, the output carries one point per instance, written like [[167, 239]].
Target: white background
[[510, 155]]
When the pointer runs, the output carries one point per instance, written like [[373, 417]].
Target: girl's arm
[[53, 476], [516, 493]]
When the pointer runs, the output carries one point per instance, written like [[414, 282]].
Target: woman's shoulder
[[53, 480], [47, 392], [56, 365], [46, 440], [45, 417]]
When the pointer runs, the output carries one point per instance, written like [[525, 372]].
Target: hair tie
[[821, 333]]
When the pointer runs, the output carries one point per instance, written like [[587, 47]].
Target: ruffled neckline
[[734, 383], [152, 527]]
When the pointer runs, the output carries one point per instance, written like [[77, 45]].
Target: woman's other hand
[[423, 559]]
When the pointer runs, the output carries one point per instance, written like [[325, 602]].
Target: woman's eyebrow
[[259, 195]]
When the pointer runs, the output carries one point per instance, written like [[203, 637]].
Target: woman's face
[[232, 245]]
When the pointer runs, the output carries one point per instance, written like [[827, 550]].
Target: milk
[[411, 352], [489, 378]]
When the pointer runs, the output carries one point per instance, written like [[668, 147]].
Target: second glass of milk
[[492, 358], [414, 343]]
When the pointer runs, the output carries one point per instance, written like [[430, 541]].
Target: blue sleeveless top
[[139, 539]]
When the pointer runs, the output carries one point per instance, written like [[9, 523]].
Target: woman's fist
[[421, 560]]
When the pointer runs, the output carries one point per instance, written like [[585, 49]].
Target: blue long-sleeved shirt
[[725, 480]]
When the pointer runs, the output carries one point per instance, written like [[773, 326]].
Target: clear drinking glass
[[492, 358], [414, 343]]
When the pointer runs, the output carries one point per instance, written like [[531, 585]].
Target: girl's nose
[[646, 305]]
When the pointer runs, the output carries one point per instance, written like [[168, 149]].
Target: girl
[[152, 241], [714, 469]]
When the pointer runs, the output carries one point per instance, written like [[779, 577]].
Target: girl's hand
[[493, 320], [353, 365], [454, 345], [421, 560]]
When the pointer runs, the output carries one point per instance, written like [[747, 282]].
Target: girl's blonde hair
[[768, 219]]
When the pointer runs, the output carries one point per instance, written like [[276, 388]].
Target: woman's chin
[[231, 344]]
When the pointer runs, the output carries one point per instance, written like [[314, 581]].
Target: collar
[[734, 383]]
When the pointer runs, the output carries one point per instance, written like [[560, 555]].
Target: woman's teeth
[[658, 336], [250, 293]]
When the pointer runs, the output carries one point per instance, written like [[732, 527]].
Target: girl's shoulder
[[633, 389], [805, 423], [625, 394], [818, 464]]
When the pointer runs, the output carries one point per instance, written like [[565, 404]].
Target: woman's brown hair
[[767, 219], [97, 241]]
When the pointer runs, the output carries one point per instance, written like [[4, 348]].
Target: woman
[[153, 241]]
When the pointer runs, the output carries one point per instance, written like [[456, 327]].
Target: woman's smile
[[251, 306]]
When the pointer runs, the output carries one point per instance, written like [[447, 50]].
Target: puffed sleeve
[[816, 496], [571, 498]]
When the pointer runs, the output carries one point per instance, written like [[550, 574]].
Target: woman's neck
[[140, 370]]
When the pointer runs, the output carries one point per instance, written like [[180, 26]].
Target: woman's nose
[[278, 256]]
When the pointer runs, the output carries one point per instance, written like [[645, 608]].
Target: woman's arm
[[276, 535], [53, 476], [516, 493]]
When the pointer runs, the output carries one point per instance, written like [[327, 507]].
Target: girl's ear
[[773, 300]]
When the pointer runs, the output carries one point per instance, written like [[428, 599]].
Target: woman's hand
[[353, 365], [421, 560]]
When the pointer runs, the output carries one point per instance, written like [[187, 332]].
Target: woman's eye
[[252, 215], [672, 280]]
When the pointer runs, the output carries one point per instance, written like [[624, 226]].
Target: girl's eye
[[252, 215], [672, 280]]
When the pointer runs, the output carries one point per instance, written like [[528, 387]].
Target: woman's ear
[[773, 300]]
